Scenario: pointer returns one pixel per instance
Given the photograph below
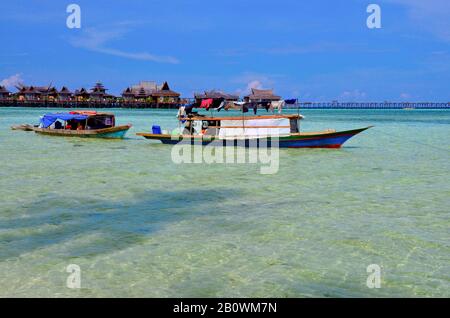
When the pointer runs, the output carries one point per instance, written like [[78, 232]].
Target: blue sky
[[314, 50]]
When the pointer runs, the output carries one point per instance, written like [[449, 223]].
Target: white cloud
[[254, 80], [96, 40], [12, 81], [405, 96], [253, 84]]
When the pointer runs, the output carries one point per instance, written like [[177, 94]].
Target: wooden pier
[[371, 105]]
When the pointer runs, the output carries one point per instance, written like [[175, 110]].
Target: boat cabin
[[78, 120], [248, 126]]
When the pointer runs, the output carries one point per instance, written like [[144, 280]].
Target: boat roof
[[89, 113], [290, 116], [49, 118]]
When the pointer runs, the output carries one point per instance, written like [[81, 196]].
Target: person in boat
[[69, 125], [187, 128], [209, 127], [80, 126], [58, 125], [204, 128]]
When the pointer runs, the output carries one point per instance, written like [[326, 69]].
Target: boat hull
[[108, 133], [325, 139]]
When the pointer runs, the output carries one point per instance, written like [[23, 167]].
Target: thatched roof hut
[[98, 88], [4, 92], [29, 90], [262, 95], [82, 94], [165, 91], [149, 89], [128, 92], [65, 91], [216, 95]]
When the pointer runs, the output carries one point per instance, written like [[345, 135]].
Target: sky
[[318, 50]]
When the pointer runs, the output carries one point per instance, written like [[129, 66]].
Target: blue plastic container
[[156, 129]]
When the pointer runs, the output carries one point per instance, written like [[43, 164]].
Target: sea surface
[[138, 224]]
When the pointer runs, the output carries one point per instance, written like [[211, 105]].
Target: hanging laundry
[[255, 108], [216, 102], [266, 106], [290, 101], [272, 106], [221, 106], [231, 105], [279, 104], [188, 108], [206, 103]]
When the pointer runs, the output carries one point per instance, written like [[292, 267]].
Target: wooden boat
[[78, 124], [274, 130], [112, 132]]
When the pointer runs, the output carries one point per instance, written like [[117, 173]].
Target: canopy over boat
[[78, 124], [48, 119], [243, 117]]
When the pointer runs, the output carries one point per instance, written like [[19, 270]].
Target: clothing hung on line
[[221, 106], [279, 104], [255, 107], [231, 105], [290, 101], [206, 103], [188, 108]]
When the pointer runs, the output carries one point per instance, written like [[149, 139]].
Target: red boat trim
[[334, 146], [322, 137]]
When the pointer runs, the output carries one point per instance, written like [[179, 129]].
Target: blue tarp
[[48, 119], [290, 101]]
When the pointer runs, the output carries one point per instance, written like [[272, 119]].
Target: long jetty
[[301, 105], [372, 105]]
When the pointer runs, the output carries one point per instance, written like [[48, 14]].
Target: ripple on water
[[139, 225]]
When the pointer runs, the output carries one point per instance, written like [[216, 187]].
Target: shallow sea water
[[139, 225]]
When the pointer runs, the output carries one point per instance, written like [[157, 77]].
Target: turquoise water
[[139, 225]]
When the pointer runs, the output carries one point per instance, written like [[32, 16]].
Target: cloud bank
[[12, 81]]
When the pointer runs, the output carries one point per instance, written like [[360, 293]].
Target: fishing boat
[[248, 131], [88, 124]]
